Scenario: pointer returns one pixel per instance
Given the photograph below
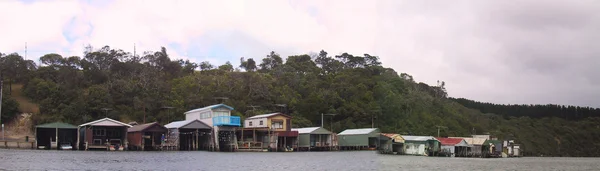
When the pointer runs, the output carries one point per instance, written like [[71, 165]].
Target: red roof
[[449, 141]]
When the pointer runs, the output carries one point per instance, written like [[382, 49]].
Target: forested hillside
[[111, 82], [534, 111]]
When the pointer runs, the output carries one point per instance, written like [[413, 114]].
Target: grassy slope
[[21, 126]]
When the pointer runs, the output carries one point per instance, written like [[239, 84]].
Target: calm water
[[296, 161]]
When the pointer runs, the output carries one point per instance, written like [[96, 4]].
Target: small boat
[[66, 146]]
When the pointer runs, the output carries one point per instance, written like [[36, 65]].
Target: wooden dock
[[17, 144]]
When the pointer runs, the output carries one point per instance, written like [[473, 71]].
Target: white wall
[[255, 123], [192, 116]]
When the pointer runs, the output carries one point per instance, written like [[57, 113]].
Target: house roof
[[210, 107], [395, 137], [452, 141], [142, 127], [357, 131], [472, 141], [312, 130], [418, 138], [268, 115], [60, 125], [105, 122], [190, 124]]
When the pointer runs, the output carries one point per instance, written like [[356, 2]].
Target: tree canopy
[[358, 88]]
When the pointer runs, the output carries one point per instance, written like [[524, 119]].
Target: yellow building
[[268, 131]]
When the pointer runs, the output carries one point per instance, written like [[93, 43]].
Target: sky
[[498, 51]]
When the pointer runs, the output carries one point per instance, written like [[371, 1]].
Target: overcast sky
[[498, 51]]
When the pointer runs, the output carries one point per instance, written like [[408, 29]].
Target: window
[[205, 115], [113, 133], [221, 113], [260, 123], [99, 132], [277, 124], [250, 123]]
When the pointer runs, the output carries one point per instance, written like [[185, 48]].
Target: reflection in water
[[294, 161]]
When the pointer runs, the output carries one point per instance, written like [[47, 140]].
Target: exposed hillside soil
[[21, 126]]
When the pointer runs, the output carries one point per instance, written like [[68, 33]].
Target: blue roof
[[211, 107]]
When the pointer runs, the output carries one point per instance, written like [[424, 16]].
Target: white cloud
[[471, 45]]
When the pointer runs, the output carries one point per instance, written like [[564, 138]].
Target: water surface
[[290, 161]]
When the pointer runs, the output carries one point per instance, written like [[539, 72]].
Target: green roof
[[57, 125]]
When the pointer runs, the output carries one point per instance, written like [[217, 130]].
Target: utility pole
[[438, 130], [106, 111], [1, 90], [328, 114], [284, 106]]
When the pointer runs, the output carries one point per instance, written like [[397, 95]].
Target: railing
[[226, 121]]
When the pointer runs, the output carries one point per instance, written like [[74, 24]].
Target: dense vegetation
[[111, 82], [534, 111]]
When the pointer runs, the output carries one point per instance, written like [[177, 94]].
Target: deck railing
[[226, 121]]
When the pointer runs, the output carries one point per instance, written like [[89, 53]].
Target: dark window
[[99, 132], [250, 123], [261, 123]]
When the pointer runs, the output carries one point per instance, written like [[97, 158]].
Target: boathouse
[[269, 131], [358, 139], [189, 135], [391, 143], [54, 135], [315, 138], [420, 145], [454, 146], [475, 145], [222, 123], [146, 136], [107, 134], [492, 148]]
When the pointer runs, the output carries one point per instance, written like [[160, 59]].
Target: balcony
[[226, 121]]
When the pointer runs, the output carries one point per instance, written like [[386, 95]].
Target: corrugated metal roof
[[395, 137], [104, 121], [305, 130], [57, 125], [142, 127], [417, 138], [449, 141], [180, 124], [268, 115], [472, 141], [210, 107], [357, 131]]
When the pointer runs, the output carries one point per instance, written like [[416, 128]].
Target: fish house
[[190, 135], [420, 145], [454, 146], [54, 135], [146, 136], [223, 125], [314, 138], [271, 131], [356, 139], [391, 143], [104, 133]]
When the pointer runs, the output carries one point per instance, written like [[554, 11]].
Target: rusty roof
[[142, 127]]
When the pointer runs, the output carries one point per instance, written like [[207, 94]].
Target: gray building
[[315, 138], [357, 139]]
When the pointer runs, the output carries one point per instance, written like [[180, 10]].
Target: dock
[[17, 144]]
